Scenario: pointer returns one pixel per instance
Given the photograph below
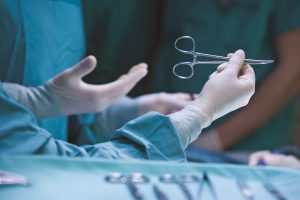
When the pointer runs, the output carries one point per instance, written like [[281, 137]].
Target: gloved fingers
[[222, 67], [274, 159], [86, 66], [256, 157], [164, 103], [180, 96], [219, 69], [135, 74], [179, 104], [72, 76], [236, 61], [122, 85], [229, 55], [247, 75], [177, 101], [173, 101], [212, 75], [194, 96]]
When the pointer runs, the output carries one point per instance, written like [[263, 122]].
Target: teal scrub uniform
[[121, 34], [252, 25], [38, 40], [151, 136]]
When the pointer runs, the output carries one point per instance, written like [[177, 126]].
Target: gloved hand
[[227, 89], [106, 122], [164, 103], [274, 159], [67, 94]]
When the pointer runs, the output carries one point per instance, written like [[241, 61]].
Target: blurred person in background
[[267, 29], [283, 157], [41, 39]]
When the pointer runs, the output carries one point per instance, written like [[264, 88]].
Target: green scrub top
[[252, 25], [38, 40], [151, 136], [120, 34]]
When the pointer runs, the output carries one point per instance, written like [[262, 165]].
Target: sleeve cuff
[[156, 134]]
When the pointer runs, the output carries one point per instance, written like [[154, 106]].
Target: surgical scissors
[[170, 178], [189, 178], [245, 190], [160, 195], [195, 55], [274, 191]]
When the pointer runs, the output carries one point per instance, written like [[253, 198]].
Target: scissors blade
[[274, 191], [209, 55], [160, 195], [248, 61], [185, 190], [134, 190], [245, 190], [210, 185], [256, 62]]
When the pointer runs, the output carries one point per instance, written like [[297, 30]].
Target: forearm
[[149, 137], [39, 100], [273, 94], [115, 116]]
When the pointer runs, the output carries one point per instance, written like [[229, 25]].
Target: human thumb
[[236, 61]]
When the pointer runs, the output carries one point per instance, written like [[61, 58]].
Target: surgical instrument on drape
[[190, 65], [206, 179], [170, 178], [245, 190], [8, 178], [274, 191], [129, 182], [160, 195]]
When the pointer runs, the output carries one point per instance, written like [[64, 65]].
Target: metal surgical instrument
[[190, 65], [160, 195], [129, 182], [245, 190], [7, 178], [169, 178], [206, 179], [274, 191]]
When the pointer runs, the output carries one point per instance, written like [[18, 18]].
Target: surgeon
[[152, 136], [40, 39], [268, 29]]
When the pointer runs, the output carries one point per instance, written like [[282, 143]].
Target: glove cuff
[[40, 100]]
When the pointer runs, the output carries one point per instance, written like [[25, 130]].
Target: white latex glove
[[164, 103], [274, 159], [226, 90], [67, 94]]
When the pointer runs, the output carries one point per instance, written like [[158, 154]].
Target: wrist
[[142, 105], [189, 122], [204, 115]]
